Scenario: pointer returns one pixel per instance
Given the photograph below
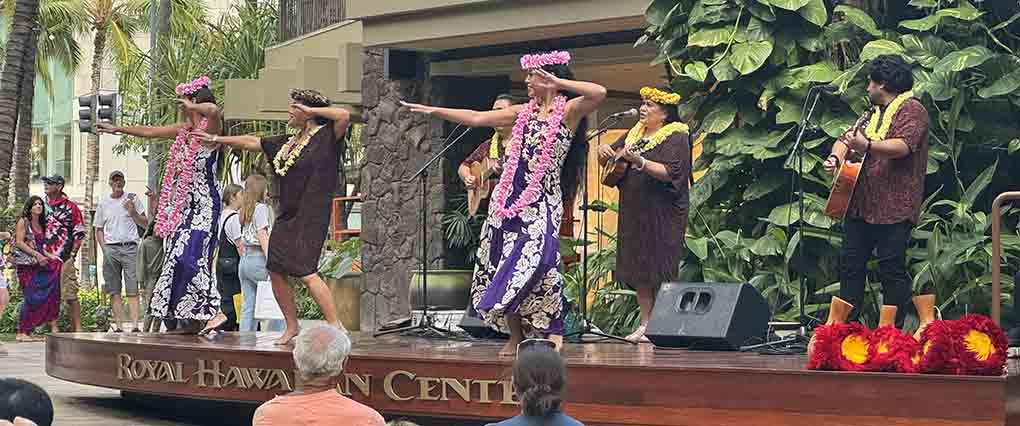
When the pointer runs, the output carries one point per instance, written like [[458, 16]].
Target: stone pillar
[[396, 143]]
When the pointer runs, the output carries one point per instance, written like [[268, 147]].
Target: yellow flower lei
[[876, 133], [296, 145], [659, 97], [638, 131], [494, 146]]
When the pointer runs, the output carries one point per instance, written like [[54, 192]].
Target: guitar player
[[485, 152], [886, 202]]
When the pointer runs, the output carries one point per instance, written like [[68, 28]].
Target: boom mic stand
[[586, 323], [427, 323], [797, 343]]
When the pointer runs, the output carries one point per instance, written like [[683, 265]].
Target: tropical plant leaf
[[696, 70], [927, 50], [1014, 146], [748, 57], [705, 13], [698, 246], [978, 185], [923, 24], [789, 110], [724, 70], [818, 72], [1003, 83], [708, 37], [815, 12], [720, 118], [965, 12], [924, 3], [963, 59], [763, 186], [792, 5], [843, 80], [858, 18], [882, 47], [659, 11]]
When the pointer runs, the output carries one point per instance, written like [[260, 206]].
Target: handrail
[[996, 247]]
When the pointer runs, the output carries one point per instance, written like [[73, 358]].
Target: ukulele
[[614, 170], [483, 184], [843, 185]]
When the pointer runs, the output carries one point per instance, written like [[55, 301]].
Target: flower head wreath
[[193, 86], [309, 97], [659, 97], [539, 60]]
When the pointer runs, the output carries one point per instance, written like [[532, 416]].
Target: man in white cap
[[118, 217]]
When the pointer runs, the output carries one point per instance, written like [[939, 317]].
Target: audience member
[[319, 353], [539, 377], [24, 400]]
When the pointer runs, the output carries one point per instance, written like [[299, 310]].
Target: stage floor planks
[[610, 383]]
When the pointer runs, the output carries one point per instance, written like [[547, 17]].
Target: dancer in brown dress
[[306, 168], [653, 199]]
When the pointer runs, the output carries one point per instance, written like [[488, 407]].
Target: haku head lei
[[193, 86], [309, 97], [539, 60], [659, 97]]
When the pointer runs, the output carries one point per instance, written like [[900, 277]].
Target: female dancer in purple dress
[[189, 210], [517, 283]]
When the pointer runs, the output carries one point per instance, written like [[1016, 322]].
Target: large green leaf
[[763, 186], [924, 3], [789, 110], [835, 126], [815, 12], [881, 47], [659, 11], [756, 30], [1004, 75], [708, 37], [926, 50], [843, 80], [720, 118], [724, 70], [965, 12], [859, 18], [790, 4], [818, 72], [761, 11], [709, 14], [923, 24], [940, 84], [748, 57], [698, 246], [841, 32], [978, 186], [696, 70], [964, 59]]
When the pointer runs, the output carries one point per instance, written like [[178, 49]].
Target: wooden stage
[[609, 384]]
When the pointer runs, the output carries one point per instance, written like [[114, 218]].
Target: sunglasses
[[535, 344]]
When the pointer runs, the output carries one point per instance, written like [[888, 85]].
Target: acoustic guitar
[[843, 185], [614, 170], [484, 185]]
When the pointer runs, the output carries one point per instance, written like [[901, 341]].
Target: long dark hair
[[26, 212], [202, 95], [539, 376], [572, 166]]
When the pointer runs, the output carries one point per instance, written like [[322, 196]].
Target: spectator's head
[[232, 196], [35, 206], [53, 185], [117, 181], [19, 398], [539, 377], [320, 352]]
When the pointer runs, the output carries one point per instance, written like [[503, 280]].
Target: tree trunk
[[23, 143], [18, 44], [92, 163], [160, 28]]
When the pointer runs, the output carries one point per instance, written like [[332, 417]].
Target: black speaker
[[472, 323], [710, 316]]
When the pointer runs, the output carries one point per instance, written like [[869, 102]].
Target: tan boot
[[839, 310], [887, 315], [925, 305]]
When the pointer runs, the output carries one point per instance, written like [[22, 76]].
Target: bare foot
[[24, 338], [637, 335], [286, 337]]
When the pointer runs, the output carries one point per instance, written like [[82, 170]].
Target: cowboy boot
[[887, 315], [839, 310], [925, 305]]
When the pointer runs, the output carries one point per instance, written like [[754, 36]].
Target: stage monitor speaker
[[709, 316], [472, 323]]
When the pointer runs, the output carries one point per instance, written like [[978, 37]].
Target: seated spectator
[[320, 354], [19, 398], [539, 377]]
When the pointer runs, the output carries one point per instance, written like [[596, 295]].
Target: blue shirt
[[554, 419]]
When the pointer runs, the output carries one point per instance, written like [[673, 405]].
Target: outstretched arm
[[245, 142], [148, 132], [468, 117]]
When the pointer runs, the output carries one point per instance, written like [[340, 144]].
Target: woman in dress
[[307, 167], [652, 222], [39, 281], [517, 283], [185, 294]]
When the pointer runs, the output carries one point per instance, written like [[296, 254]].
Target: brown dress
[[306, 195], [653, 215]]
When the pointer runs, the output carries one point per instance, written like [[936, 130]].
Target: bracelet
[[642, 167]]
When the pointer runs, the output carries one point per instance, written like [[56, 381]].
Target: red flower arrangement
[[982, 346], [891, 350], [841, 347]]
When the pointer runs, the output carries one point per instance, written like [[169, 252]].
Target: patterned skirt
[[40, 286]]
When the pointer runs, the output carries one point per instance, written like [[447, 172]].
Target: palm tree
[[20, 42]]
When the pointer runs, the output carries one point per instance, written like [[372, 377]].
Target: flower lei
[[876, 133], [539, 60], [285, 158], [192, 86], [177, 180], [531, 192], [659, 97], [494, 146], [637, 132]]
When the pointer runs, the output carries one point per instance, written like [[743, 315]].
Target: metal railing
[[300, 17], [996, 249]]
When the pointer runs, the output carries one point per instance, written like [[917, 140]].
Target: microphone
[[628, 113]]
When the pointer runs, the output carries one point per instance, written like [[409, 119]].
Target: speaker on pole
[[710, 316]]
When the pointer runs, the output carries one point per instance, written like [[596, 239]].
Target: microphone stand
[[586, 323], [797, 343], [427, 324]]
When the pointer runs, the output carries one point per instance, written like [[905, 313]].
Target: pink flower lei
[[539, 60], [534, 188], [177, 179], [189, 88]]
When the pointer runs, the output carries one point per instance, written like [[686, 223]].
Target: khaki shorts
[[69, 281]]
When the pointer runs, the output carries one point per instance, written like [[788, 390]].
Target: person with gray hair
[[320, 354]]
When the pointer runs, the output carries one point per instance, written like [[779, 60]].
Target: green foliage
[[745, 67], [338, 258]]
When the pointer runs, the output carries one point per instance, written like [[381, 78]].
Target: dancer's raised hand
[[419, 108], [102, 127]]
